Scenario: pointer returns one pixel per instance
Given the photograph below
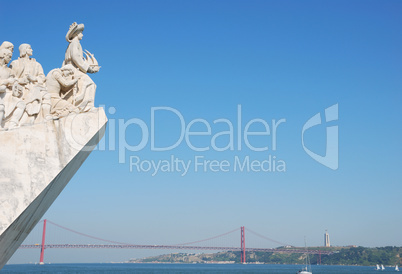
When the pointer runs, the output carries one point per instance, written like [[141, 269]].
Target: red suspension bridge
[[183, 246]]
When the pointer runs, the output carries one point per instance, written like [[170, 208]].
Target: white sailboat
[[307, 268], [304, 271], [396, 268], [382, 267], [377, 267]]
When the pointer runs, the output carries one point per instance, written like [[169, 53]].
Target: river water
[[182, 268]]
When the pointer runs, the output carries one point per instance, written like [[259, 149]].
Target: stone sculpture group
[[38, 160], [27, 96]]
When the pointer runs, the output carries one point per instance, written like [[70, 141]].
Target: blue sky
[[278, 60]]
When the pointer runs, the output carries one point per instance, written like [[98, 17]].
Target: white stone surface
[[36, 162]]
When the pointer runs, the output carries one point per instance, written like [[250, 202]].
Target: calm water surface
[[182, 268]]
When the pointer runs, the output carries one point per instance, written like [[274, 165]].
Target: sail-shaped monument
[[48, 127]]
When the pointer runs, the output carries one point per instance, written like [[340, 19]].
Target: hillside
[[342, 256]]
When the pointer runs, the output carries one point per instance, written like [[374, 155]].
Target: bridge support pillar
[[242, 246], [42, 250], [319, 257]]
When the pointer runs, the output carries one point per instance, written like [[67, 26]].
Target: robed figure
[[85, 94]]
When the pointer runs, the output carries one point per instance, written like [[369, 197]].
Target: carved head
[[75, 31], [6, 55], [17, 90], [67, 70], [7, 45], [25, 49]]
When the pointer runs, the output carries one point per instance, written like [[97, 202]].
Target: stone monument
[[48, 127]]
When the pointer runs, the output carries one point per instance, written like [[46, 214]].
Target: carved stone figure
[[30, 75], [61, 86], [7, 45], [11, 105], [85, 97]]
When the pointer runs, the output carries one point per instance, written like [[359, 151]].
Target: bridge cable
[[224, 234], [86, 235], [266, 238]]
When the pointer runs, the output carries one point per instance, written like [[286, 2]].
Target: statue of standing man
[[11, 105], [30, 75], [85, 97]]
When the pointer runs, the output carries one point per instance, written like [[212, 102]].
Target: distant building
[[326, 239]]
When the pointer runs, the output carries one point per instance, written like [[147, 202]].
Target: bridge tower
[[242, 246], [42, 250]]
